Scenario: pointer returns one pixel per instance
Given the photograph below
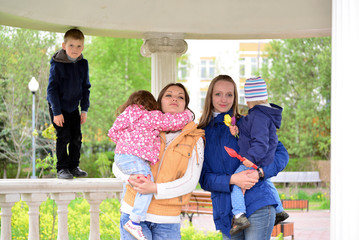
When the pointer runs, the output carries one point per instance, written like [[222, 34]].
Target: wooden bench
[[297, 177], [295, 204], [201, 203], [286, 228]]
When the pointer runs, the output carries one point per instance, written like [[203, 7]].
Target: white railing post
[[95, 199], [35, 191], [6, 203], [62, 200], [34, 201]]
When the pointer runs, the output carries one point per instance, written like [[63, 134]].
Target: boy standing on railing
[[68, 87]]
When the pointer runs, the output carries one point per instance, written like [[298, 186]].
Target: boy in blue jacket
[[258, 141], [69, 87]]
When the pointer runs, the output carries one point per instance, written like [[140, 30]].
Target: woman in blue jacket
[[218, 168]]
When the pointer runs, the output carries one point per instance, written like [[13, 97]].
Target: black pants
[[69, 140]]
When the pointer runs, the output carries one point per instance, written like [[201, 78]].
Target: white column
[[95, 199], [163, 48], [34, 200], [344, 210], [62, 200], [6, 203]]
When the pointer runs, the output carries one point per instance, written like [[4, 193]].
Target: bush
[[190, 233], [303, 195], [79, 221]]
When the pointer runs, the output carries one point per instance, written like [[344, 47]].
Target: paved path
[[307, 225]]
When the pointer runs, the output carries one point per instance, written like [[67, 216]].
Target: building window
[[248, 67], [207, 68], [242, 67], [203, 99], [182, 69], [254, 66]]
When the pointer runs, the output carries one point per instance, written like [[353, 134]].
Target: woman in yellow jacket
[[175, 175]]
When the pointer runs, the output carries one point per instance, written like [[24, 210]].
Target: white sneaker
[[134, 230]]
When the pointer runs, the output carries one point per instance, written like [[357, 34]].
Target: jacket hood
[[61, 57], [274, 113]]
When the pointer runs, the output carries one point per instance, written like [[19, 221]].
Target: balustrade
[[36, 191]]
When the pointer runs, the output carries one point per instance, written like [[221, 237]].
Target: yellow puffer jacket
[[172, 165]]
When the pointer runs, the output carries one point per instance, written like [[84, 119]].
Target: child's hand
[[83, 117], [247, 163], [233, 130], [59, 120]]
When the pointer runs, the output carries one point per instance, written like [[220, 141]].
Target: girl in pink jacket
[[136, 134]]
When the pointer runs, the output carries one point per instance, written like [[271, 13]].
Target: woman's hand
[[142, 184], [245, 180]]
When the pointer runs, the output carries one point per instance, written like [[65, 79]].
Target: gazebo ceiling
[[196, 19]]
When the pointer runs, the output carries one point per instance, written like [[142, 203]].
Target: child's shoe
[[239, 224], [280, 217], [134, 230]]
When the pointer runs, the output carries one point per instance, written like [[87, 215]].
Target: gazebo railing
[[36, 191]]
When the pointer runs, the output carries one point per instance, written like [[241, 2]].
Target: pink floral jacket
[[136, 130]]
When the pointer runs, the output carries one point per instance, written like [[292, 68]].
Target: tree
[[23, 54], [116, 70], [298, 74]]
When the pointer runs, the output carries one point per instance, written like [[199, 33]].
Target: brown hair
[[143, 98], [208, 105], [74, 34], [186, 96]]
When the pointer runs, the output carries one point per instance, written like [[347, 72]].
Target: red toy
[[231, 152]]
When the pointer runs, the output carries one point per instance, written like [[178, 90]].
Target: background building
[[204, 60]]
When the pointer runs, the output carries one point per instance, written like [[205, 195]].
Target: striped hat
[[255, 89]]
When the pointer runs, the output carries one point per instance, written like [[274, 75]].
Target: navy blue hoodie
[[69, 84], [258, 134]]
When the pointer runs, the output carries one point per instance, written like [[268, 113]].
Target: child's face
[[73, 47]]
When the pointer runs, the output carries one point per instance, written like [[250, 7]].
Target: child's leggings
[[130, 164], [237, 197]]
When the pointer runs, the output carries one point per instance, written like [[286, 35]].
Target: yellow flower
[[230, 121], [227, 120]]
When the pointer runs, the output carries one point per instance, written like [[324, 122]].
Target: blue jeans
[[152, 231], [262, 223], [130, 164], [237, 197]]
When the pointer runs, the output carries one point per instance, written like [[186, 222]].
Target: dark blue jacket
[[69, 84], [258, 134], [218, 167]]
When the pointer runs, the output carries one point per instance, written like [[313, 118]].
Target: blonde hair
[[142, 98], [208, 105], [74, 34], [257, 102]]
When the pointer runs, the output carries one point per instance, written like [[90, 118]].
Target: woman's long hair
[[208, 105]]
